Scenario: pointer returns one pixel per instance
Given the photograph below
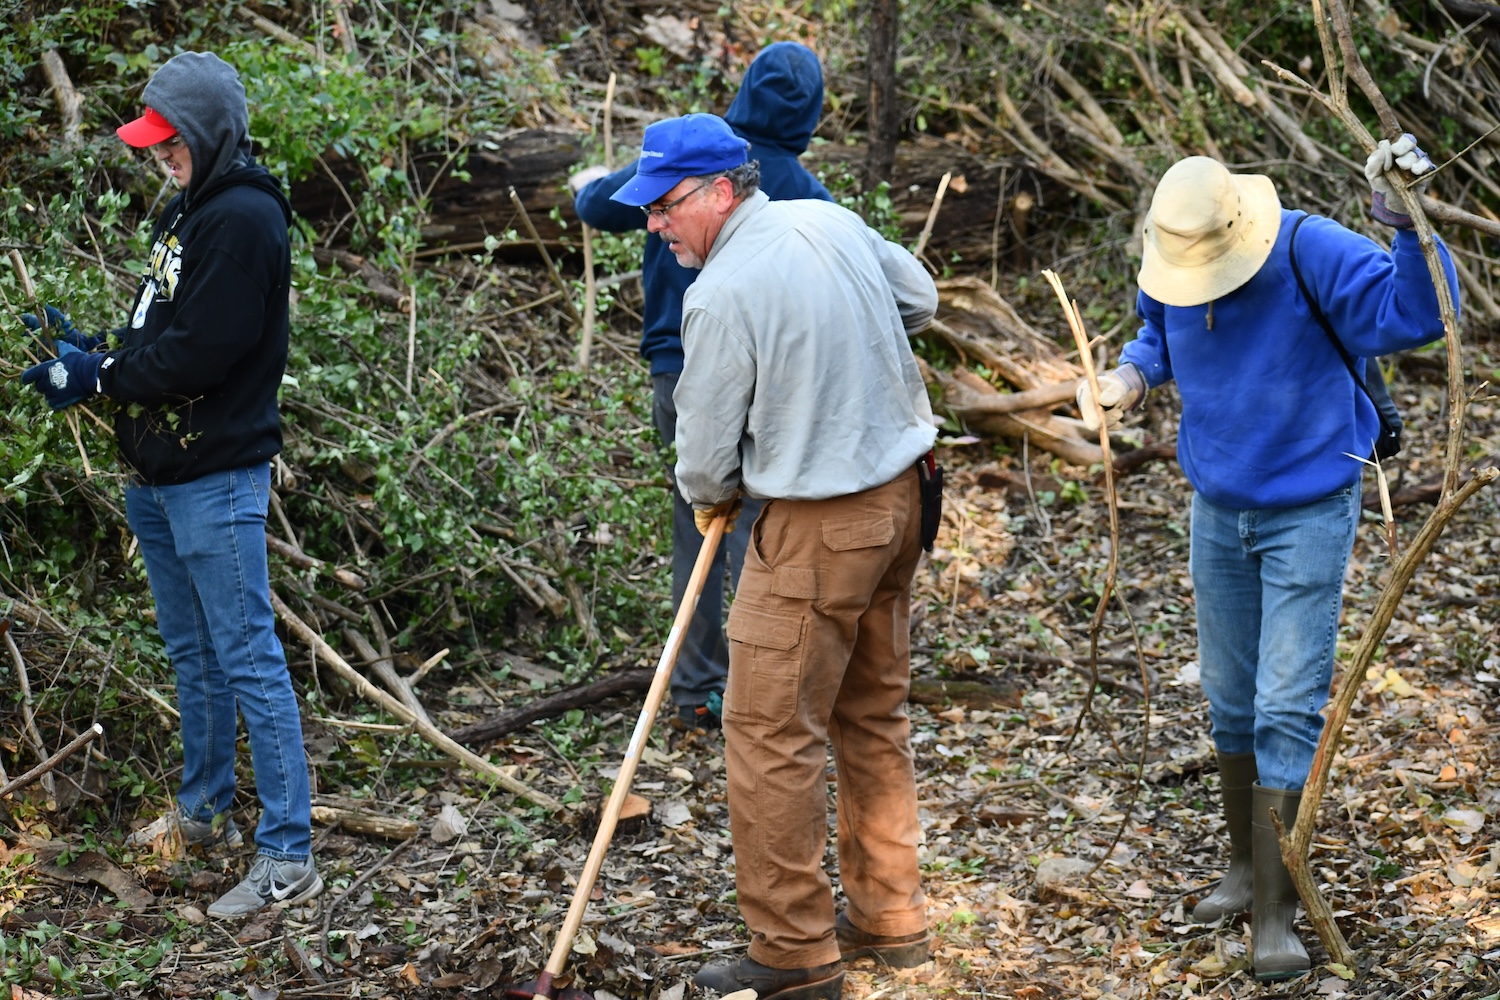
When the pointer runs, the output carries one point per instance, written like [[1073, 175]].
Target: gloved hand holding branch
[[1385, 204], [61, 329], [1120, 390]]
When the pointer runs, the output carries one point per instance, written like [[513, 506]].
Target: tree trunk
[[881, 161]]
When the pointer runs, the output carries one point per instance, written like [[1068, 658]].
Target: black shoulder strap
[[1291, 250]]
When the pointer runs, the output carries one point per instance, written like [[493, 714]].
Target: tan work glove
[[1120, 390], [704, 516]]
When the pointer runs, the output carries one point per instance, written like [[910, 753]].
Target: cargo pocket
[[856, 553], [766, 693], [858, 531]]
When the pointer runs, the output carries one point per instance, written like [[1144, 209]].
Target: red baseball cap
[[147, 130]]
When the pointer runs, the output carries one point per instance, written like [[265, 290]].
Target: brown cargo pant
[[820, 649]]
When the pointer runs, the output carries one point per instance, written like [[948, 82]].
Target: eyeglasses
[[174, 143], [660, 212]]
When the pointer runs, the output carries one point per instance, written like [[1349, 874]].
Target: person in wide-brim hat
[[1207, 233], [1263, 316]]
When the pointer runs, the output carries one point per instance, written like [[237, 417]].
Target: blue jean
[[703, 663], [1269, 585], [204, 544]]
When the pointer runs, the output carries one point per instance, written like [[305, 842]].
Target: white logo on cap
[[651, 152]]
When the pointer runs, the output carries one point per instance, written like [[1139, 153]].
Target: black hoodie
[[202, 357]]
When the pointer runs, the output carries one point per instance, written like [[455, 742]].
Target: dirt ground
[[1020, 799]]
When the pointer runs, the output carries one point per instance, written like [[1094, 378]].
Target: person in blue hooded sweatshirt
[[776, 111], [194, 375], [1271, 436]]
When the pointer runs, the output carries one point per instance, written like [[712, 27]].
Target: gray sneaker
[[270, 882], [173, 826]]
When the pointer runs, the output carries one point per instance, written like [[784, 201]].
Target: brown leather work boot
[[821, 982], [898, 951]]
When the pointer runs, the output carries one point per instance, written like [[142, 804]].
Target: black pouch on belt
[[930, 476]]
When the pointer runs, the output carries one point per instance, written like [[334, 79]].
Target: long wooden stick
[[611, 814], [1081, 338], [609, 144], [590, 282], [390, 703]]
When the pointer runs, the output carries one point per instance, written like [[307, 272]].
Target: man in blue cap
[[799, 388], [776, 110]]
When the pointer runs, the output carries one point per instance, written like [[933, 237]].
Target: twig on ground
[[364, 877], [557, 278], [47, 766], [28, 717], [932, 214]]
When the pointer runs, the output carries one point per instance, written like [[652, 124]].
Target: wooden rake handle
[[611, 815]]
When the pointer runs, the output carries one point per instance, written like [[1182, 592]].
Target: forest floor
[[1062, 851], [1019, 799]]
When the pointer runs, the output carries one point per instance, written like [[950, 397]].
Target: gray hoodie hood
[[201, 95]]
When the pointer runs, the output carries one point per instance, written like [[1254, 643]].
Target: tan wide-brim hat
[[1207, 233]]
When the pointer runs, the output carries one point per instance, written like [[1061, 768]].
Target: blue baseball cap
[[678, 148]]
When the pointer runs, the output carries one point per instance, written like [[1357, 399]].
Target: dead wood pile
[[1051, 167]]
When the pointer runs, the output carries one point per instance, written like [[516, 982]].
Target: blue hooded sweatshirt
[[776, 111], [1271, 417]]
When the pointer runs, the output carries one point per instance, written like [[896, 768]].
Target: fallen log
[[365, 822], [583, 696], [977, 321], [1062, 436]]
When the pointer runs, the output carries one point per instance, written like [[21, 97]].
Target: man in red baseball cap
[[171, 149], [196, 370]]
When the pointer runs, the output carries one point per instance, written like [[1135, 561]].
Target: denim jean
[[703, 662], [204, 544], [1269, 585]]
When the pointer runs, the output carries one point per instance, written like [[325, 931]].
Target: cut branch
[[388, 702]]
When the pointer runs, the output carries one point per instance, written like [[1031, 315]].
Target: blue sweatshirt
[[776, 110], [1270, 414]]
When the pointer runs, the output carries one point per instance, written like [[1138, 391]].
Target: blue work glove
[[61, 329], [1385, 204], [72, 378]]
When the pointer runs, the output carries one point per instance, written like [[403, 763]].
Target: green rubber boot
[[1277, 951], [1234, 893]]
